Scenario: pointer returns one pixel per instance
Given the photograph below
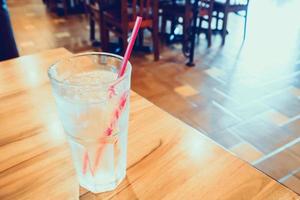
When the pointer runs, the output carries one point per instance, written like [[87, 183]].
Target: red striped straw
[[135, 31]]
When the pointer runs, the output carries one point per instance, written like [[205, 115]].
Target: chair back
[[147, 9]]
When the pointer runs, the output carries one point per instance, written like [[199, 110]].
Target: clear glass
[[93, 105]]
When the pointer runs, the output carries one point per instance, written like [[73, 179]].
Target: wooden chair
[[173, 11], [230, 6], [121, 20], [92, 9], [177, 9], [205, 15]]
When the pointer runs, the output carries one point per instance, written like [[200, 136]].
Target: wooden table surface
[[167, 159]]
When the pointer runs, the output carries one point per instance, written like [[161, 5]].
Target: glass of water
[[93, 105]]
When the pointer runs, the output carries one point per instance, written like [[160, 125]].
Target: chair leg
[[104, 37], [185, 28], [155, 40], [120, 42], [102, 29], [46, 2], [173, 25], [217, 21], [141, 38], [163, 25], [50, 5], [199, 28], [92, 29], [245, 25], [224, 27], [65, 4], [209, 32], [124, 41]]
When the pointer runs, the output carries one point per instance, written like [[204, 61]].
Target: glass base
[[97, 188]]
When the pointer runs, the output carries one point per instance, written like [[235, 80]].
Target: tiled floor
[[245, 96]]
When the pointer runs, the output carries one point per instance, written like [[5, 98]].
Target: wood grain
[[167, 159]]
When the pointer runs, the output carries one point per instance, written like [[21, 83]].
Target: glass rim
[[119, 79]]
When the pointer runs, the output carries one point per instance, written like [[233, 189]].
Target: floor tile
[[263, 135], [286, 103], [197, 80], [279, 165], [246, 151], [224, 138], [295, 149], [176, 104], [293, 183], [214, 72], [185, 91], [200, 100], [150, 87], [294, 127], [247, 111], [209, 119], [297, 175], [276, 117], [295, 91]]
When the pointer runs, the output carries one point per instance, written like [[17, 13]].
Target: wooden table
[[167, 159]]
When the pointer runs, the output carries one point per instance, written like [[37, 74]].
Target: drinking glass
[[93, 105]]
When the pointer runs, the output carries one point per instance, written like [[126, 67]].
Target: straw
[[111, 92], [135, 31], [111, 128], [138, 21]]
